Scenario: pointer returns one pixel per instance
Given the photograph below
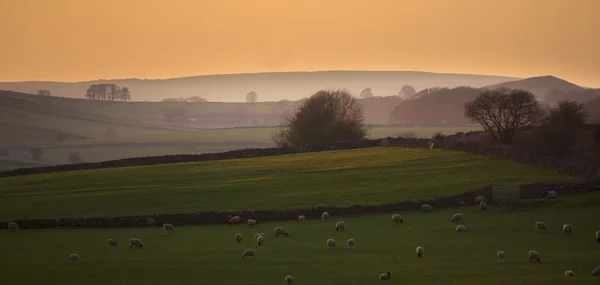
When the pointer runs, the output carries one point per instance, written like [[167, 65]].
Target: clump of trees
[[407, 92], [111, 92], [366, 93], [251, 97], [326, 117], [44, 92]]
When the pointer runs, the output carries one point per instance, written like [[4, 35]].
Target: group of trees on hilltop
[[111, 92]]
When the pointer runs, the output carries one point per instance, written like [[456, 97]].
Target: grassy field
[[209, 254], [336, 178]]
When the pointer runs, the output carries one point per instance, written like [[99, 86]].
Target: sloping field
[[337, 178]]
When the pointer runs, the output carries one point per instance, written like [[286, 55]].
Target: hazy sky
[[76, 40]]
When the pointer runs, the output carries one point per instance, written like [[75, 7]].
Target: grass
[[209, 255], [336, 178]]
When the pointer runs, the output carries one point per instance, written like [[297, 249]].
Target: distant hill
[[268, 86]]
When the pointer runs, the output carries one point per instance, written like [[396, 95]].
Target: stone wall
[[536, 190]]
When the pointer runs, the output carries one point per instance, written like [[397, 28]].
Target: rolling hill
[[551, 89]]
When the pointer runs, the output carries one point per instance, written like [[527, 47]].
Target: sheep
[[168, 227], [280, 231], [479, 199], [252, 223], [340, 226], [112, 242], [331, 243], [135, 242], [324, 216], [234, 220], [150, 222], [426, 208], [483, 205], [12, 226], [289, 279], [550, 194], [534, 255], [458, 217], [350, 243], [539, 226], [461, 228], [385, 276], [501, 255], [239, 238], [420, 251], [596, 271], [567, 228], [249, 252], [258, 235], [598, 237], [260, 240], [397, 218], [301, 218], [569, 273], [74, 257]]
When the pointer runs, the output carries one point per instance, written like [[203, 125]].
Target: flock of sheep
[[350, 243]]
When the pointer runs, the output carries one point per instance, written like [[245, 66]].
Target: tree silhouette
[[407, 92], [251, 97], [366, 93]]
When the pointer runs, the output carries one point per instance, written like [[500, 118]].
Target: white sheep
[[598, 237], [258, 235], [385, 276], [501, 255], [331, 243], [74, 257], [324, 216], [168, 227], [135, 242], [350, 243], [596, 271], [260, 240], [289, 279], [397, 218], [426, 208], [340, 226], [12, 226], [150, 222], [420, 251], [252, 223], [112, 242], [238, 238], [534, 255], [479, 199], [567, 229], [551, 194], [458, 217], [249, 252], [280, 231], [301, 218], [234, 220], [461, 228], [569, 273], [539, 226], [483, 206]]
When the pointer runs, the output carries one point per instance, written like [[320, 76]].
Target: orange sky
[[76, 40]]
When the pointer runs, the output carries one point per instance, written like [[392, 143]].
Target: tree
[[503, 112], [36, 153], [74, 157], [125, 94], [327, 116], [44, 92], [407, 92], [251, 97], [561, 127], [114, 92], [107, 92], [366, 93]]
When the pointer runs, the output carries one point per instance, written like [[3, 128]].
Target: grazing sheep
[[461, 228], [289, 279], [501, 255], [280, 231], [239, 238], [12, 226], [598, 237], [331, 243], [426, 208], [234, 220], [324, 216], [258, 235], [550, 194], [569, 273], [483, 205], [385, 276], [350, 243], [539, 226], [252, 223], [397, 218], [479, 199], [567, 228], [168, 227], [150, 222], [458, 217], [112, 242], [301, 218], [260, 240], [596, 271], [135, 242], [249, 252], [74, 257], [340, 226], [420, 251], [534, 255]]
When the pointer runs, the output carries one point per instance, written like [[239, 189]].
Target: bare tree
[[114, 92], [503, 112], [327, 116], [366, 93], [251, 97], [44, 92], [407, 92], [125, 94]]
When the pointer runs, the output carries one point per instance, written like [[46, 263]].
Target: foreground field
[[336, 178], [209, 254]]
